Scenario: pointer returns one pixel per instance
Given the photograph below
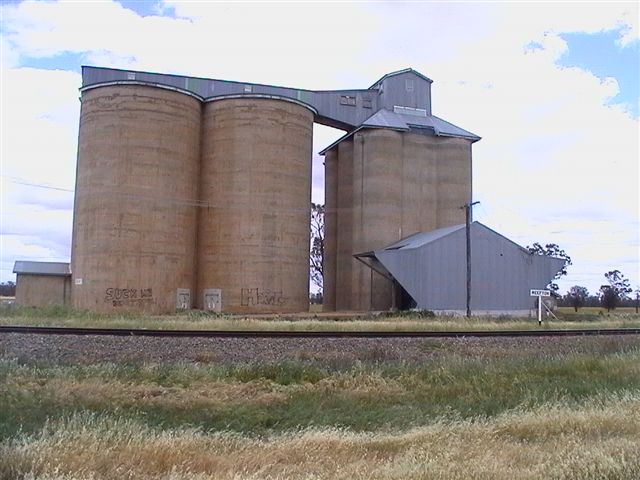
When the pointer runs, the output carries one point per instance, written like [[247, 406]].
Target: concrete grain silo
[[255, 186], [398, 183], [135, 216], [196, 192], [400, 172]]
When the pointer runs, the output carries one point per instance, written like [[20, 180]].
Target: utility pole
[[467, 212]]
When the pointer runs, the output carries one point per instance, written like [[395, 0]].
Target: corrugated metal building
[[431, 268], [42, 284]]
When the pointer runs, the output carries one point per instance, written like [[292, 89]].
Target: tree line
[[7, 289], [617, 292]]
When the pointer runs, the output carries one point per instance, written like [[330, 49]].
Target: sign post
[[540, 294]]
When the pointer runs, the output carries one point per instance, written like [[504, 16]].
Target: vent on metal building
[[416, 112]]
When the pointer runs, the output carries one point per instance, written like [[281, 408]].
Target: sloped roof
[[41, 268], [422, 238], [386, 119], [445, 128], [399, 72]]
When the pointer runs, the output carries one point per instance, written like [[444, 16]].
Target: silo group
[[195, 193], [182, 203]]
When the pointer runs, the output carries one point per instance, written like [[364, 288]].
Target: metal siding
[[433, 271], [395, 92], [41, 268], [326, 102], [448, 256]]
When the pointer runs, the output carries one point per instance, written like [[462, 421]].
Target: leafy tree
[[317, 244], [8, 289], [608, 298], [552, 250], [315, 298], [577, 296], [617, 290]]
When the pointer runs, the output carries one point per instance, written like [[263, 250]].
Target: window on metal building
[[348, 100], [408, 85]]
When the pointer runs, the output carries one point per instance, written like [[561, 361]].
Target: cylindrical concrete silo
[[135, 217], [419, 184], [377, 201], [344, 226], [453, 180], [253, 238], [390, 185], [330, 230]]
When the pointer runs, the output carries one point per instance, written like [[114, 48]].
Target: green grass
[[257, 399]]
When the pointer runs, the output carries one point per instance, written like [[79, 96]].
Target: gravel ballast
[[82, 350]]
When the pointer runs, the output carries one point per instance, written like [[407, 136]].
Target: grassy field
[[595, 311], [574, 415], [64, 317]]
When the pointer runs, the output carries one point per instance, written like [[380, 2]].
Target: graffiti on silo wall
[[122, 297], [257, 296]]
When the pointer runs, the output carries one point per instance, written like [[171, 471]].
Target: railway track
[[129, 332]]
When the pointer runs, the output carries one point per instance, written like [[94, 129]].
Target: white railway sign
[[540, 293]]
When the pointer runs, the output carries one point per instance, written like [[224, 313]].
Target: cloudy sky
[[552, 88]]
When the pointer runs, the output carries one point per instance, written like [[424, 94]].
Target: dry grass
[[554, 441], [476, 410], [201, 321]]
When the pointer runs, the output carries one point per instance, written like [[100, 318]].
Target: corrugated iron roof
[[386, 119], [41, 268], [422, 238], [445, 128], [400, 72]]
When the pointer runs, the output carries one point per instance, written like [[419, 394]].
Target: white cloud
[[40, 111], [31, 232], [557, 163], [261, 42]]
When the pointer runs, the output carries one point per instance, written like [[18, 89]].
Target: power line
[[149, 198], [21, 181]]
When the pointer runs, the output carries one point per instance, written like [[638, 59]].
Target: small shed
[[430, 267], [40, 284]]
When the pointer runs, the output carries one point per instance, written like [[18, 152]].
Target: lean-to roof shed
[[431, 267]]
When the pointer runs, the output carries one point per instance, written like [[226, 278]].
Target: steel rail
[[132, 332]]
